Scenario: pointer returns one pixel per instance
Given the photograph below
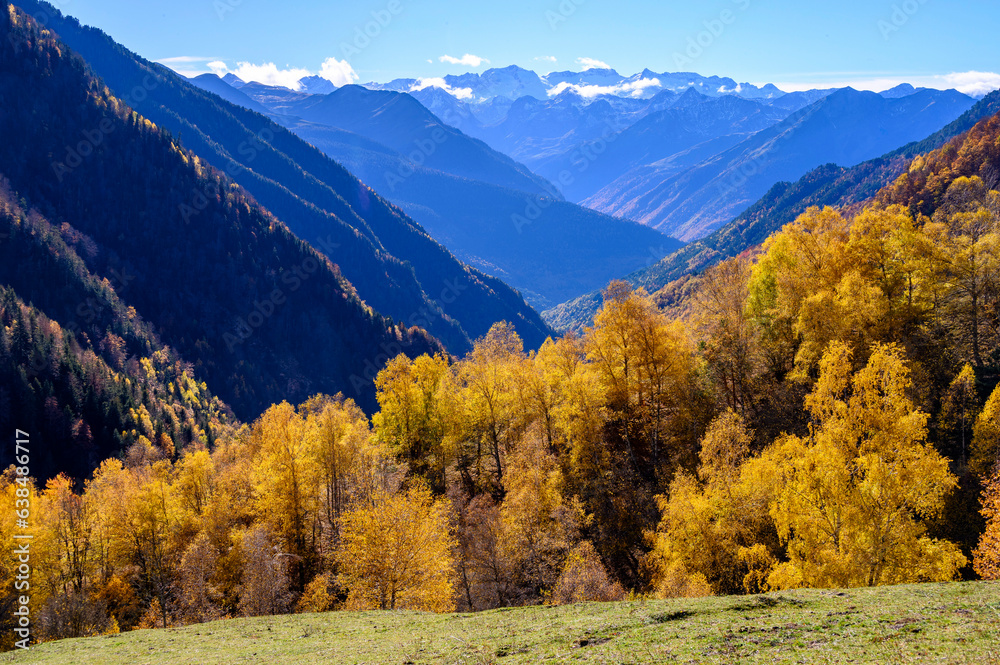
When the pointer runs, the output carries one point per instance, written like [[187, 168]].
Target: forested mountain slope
[[827, 185], [260, 314], [488, 210], [80, 369], [396, 267]]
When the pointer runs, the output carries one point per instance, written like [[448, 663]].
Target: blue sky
[[810, 43]]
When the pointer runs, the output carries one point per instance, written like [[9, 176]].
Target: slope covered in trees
[[259, 313], [826, 415], [632, 457], [99, 381], [395, 266]]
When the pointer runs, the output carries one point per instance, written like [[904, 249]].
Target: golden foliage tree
[[491, 419], [708, 523], [985, 449], [965, 258], [585, 579], [138, 525], [316, 597], [540, 525], [287, 484], [851, 496], [827, 277], [66, 523], [986, 558], [731, 340], [959, 411], [795, 280], [887, 249], [10, 484], [645, 364], [396, 553], [341, 448], [580, 410], [412, 420], [194, 480]]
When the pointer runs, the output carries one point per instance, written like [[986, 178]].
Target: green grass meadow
[[925, 623]]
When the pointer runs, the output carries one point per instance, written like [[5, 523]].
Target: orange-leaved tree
[[396, 553], [986, 558], [852, 495]]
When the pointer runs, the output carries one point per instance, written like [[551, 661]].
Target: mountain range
[[136, 275], [687, 153], [178, 254], [396, 267], [491, 211], [514, 82], [827, 185], [688, 197], [678, 152]]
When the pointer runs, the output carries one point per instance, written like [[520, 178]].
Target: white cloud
[[627, 89], [591, 63], [458, 93], [338, 72], [468, 60], [188, 73], [971, 83], [546, 58], [182, 59], [186, 65], [267, 73]]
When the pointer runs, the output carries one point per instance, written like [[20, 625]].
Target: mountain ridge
[[495, 225], [260, 314], [828, 184], [320, 199], [846, 127]]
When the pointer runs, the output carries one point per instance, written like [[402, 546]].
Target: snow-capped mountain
[[514, 82], [316, 85], [630, 146]]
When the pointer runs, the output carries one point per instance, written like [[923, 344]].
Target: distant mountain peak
[[901, 90], [509, 69], [234, 80], [690, 96], [766, 91], [316, 85]]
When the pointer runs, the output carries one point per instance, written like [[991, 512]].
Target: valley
[[436, 353]]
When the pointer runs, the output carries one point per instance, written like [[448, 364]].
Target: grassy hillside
[[929, 623]]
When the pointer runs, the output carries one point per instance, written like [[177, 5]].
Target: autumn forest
[[821, 410], [818, 414]]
